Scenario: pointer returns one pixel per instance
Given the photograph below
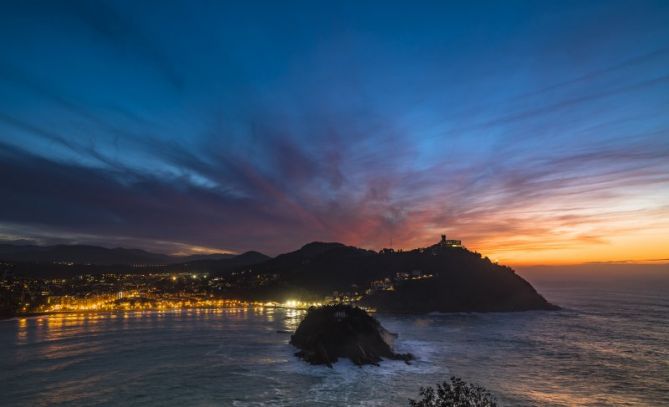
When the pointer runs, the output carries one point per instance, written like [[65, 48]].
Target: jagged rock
[[330, 332]]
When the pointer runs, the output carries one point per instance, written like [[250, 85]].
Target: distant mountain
[[220, 265], [198, 257], [437, 278], [79, 254], [86, 254]]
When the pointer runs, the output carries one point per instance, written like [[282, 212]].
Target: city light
[[145, 302]]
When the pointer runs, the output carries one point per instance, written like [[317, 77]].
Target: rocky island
[[331, 332]]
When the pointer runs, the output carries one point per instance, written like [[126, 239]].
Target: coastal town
[[159, 291], [156, 288]]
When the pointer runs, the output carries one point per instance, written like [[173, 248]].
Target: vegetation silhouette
[[457, 393]]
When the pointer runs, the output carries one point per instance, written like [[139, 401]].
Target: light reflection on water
[[600, 351]]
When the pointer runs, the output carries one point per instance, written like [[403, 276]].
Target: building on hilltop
[[449, 243]]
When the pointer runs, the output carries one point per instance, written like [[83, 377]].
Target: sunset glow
[[530, 143]]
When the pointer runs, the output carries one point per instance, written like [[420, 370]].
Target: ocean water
[[609, 346]]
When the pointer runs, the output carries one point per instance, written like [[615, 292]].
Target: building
[[449, 243], [381, 285]]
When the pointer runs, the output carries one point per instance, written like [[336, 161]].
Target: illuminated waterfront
[[163, 303], [145, 292]]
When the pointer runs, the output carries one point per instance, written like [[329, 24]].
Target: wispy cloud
[[204, 134]]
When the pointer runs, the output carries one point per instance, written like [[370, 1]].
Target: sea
[[609, 346]]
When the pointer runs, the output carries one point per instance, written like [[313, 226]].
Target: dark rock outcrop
[[330, 332], [477, 287]]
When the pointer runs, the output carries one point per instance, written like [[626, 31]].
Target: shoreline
[[381, 313], [50, 313]]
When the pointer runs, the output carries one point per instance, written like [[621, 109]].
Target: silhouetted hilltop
[[79, 254], [71, 262], [222, 265], [316, 269], [437, 278], [314, 249], [445, 277], [96, 255]]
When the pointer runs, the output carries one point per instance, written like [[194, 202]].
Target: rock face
[[330, 332]]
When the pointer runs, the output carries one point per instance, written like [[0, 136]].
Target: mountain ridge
[[444, 277], [95, 255]]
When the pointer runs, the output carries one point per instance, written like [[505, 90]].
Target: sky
[[536, 132]]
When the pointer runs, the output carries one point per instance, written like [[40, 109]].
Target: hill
[[444, 277], [96, 255], [438, 278], [70, 261], [79, 254], [221, 265]]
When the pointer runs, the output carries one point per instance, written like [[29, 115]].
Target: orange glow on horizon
[[545, 235], [650, 248]]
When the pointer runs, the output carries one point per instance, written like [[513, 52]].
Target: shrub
[[457, 393]]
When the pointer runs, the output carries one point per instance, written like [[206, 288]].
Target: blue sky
[[532, 130]]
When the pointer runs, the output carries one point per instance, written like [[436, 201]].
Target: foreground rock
[[330, 332]]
